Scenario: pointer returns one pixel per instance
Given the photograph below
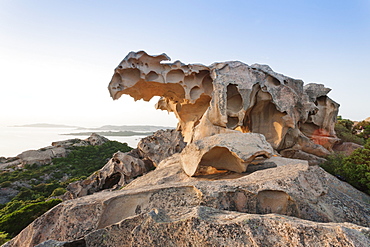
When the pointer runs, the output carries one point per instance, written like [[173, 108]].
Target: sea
[[15, 140]]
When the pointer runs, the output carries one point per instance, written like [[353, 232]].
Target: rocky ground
[[276, 202]]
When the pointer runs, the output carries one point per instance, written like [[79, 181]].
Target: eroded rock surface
[[291, 204], [233, 96], [232, 151], [204, 226], [160, 145], [122, 168], [346, 148]]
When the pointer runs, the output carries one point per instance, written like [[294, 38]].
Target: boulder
[[122, 168], [160, 145], [42, 156], [346, 148], [291, 204], [232, 151]]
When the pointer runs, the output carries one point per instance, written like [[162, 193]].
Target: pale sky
[[57, 57]]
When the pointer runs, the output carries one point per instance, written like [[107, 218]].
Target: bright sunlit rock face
[[231, 97]]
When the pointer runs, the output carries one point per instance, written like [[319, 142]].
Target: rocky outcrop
[[160, 145], [290, 204], [233, 96], [122, 168], [346, 148], [45, 155], [232, 151]]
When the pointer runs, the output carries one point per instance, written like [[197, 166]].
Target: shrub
[[346, 135], [4, 237], [355, 169], [5, 184], [14, 222], [58, 192]]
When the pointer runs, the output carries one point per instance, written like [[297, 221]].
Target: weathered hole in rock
[[195, 92], [274, 201], [176, 199], [265, 202], [202, 74], [232, 122], [131, 74], [321, 100], [265, 119], [189, 80], [116, 79], [175, 76], [220, 158], [191, 113], [273, 81], [151, 76], [112, 180], [207, 84], [234, 99]]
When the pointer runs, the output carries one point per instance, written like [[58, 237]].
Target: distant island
[[145, 128], [137, 128], [112, 133]]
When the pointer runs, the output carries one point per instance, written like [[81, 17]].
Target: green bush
[[346, 123], [11, 207], [5, 184], [58, 192], [14, 222], [4, 237], [355, 169], [346, 135]]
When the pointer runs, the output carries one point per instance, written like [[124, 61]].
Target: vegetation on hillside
[[39, 185], [355, 168], [347, 131]]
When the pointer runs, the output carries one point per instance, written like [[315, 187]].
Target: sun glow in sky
[[57, 57]]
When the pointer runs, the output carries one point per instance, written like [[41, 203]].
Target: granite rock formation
[[233, 151], [233, 96], [288, 204], [122, 168]]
